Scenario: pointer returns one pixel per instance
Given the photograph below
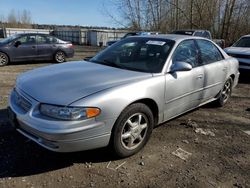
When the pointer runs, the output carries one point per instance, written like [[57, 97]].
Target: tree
[[224, 18]]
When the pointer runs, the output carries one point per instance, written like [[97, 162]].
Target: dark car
[[30, 47]]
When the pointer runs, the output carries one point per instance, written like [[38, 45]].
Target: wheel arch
[[6, 54], [8, 58], [152, 106]]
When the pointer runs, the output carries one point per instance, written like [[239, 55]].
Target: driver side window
[[187, 52], [29, 39]]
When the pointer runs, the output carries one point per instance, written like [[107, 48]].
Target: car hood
[[237, 50], [65, 83]]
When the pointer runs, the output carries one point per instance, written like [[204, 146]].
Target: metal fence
[[89, 37], [11, 31], [93, 37]]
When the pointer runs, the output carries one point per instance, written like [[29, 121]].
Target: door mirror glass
[[181, 66], [17, 43]]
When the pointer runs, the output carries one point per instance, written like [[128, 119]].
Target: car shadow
[[20, 156]]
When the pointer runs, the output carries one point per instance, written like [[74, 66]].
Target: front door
[[184, 89], [27, 50]]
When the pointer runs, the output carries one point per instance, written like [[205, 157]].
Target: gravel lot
[[219, 159]]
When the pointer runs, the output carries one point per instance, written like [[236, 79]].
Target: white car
[[241, 51]]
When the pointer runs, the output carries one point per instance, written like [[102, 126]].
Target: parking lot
[[217, 148]]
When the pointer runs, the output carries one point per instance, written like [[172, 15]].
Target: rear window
[[183, 32], [243, 42]]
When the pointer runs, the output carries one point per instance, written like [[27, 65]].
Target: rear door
[[184, 89], [46, 47], [27, 50], [215, 68]]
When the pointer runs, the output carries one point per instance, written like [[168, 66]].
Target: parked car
[[118, 96], [30, 47], [130, 34], [200, 33], [241, 51]]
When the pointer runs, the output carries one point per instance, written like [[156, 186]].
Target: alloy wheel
[[3, 59], [226, 92], [60, 57], [134, 131]]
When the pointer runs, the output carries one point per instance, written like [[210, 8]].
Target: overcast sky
[[66, 12]]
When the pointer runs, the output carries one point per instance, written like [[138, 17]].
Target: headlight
[[68, 113]]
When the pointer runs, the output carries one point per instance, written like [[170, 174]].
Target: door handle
[[199, 76]]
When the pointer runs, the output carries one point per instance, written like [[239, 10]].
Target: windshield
[[9, 39], [137, 54], [243, 42]]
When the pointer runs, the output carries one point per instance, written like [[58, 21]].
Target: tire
[[4, 59], [132, 130], [59, 57], [225, 93]]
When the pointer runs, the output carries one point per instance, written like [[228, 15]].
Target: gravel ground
[[217, 149]]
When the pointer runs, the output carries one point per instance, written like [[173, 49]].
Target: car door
[[184, 89], [45, 47], [215, 68], [26, 50]]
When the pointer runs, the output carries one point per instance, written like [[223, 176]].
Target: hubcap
[[60, 57], [3, 59], [226, 91], [134, 131]]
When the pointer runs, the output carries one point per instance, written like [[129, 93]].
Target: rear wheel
[[4, 59], [132, 130], [60, 57], [225, 93]]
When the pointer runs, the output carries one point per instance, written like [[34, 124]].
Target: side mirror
[[17, 43], [87, 58], [181, 66]]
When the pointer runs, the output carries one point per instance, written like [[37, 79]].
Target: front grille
[[240, 56], [22, 102]]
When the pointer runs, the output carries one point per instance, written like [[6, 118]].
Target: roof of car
[[246, 35], [172, 37], [190, 30]]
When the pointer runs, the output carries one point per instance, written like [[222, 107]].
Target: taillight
[[70, 46]]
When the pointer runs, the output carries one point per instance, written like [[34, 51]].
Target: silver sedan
[[118, 96]]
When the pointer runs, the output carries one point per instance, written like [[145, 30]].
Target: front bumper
[[57, 135]]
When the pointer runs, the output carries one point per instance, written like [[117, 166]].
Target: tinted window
[[187, 52], [41, 39], [44, 39], [139, 54], [29, 39], [243, 42], [183, 32], [199, 34], [209, 52]]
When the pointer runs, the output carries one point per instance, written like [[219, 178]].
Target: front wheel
[[225, 92], [59, 57], [4, 59], [132, 130]]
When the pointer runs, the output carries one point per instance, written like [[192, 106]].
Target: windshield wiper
[[107, 62]]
